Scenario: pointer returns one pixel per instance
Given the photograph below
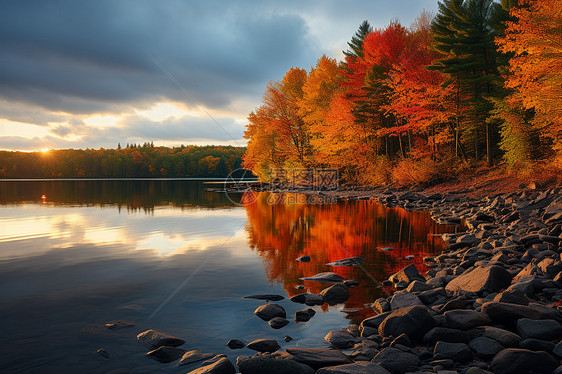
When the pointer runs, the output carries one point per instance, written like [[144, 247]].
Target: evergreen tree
[[356, 43]]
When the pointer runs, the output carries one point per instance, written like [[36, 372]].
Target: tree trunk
[[489, 145], [401, 148]]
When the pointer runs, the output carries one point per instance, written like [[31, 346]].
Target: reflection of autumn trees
[[282, 232]]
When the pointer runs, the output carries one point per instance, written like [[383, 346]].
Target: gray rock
[[309, 299], [504, 337], [278, 322], [485, 347], [397, 361], [221, 366], [364, 352], [550, 267], [317, 357], [414, 321], [513, 297], [404, 299], [336, 294], [522, 361], [273, 364], [490, 279], [351, 261], [213, 359], [418, 286], [558, 350], [304, 259], [190, 357], [375, 321], [537, 345], [269, 311], [103, 352], [543, 329], [504, 312], [304, 315], [408, 274], [155, 339], [340, 339], [356, 368], [445, 334], [431, 296], [267, 297], [325, 277], [381, 305], [459, 352], [464, 319], [264, 345], [235, 344]]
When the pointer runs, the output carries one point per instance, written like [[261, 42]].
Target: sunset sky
[[90, 74]]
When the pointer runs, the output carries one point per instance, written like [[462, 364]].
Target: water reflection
[[282, 232]]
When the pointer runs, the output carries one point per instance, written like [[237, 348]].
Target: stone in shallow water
[[336, 294], [221, 366], [325, 277], [155, 339], [304, 315], [351, 261], [235, 344], [278, 322], [317, 357], [341, 339], [267, 297], [276, 363], [165, 354], [364, 367], [194, 356], [269, 311], [304, 259], [309, 299], [264, 345]]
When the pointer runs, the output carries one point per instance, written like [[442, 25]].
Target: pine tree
[[356, 43]]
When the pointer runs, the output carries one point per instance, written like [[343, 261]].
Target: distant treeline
[[131, 161]]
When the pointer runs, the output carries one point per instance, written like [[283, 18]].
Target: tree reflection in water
[[282, 231]]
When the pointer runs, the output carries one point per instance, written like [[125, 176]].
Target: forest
[[144, 160], [477, 85]]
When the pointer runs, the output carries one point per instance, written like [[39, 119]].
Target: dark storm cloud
[[80, 56]]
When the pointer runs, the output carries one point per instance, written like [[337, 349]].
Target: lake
[[173, 256]]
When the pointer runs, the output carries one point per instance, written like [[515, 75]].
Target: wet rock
[[504, 337], [336, 294], [351, 261], [287, 338], [264, 345], [325, 277], [489, 279], [397, 361], [155, 339], [485, 347], [381, 305], [304, 315], [466, 319], [278, 322], [537, 345], [273, 364], [513, 297], [267, 297], [459, 352], [404, 299], [317, 357], [356, 368], [221, 366], [235, 344], [304, 259], [340, 339], [374, 322], [350, 283], [522, 361], [445, 334], [408, 274], [414, 321], [309, 299], [542, 329], [194, 356], [165, 354], [213, 359], [269, 311]]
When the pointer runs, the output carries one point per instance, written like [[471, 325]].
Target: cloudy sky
[[90, 74]]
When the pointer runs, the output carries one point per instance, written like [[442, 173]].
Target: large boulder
[[396, 360], [220, 366], [543, 329], [465, 319], [336, 294], [264, 345], [270, 311], [458, 352], [155, 339], [414, 321], [523, 361], [408, 275], [318, 357], [404, 299], [273, 364], [341, 339], [504, 337], [490, 279]]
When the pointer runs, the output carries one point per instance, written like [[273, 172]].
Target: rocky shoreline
[[488, 304]]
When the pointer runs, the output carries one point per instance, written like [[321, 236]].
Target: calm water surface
[[172, 256]]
